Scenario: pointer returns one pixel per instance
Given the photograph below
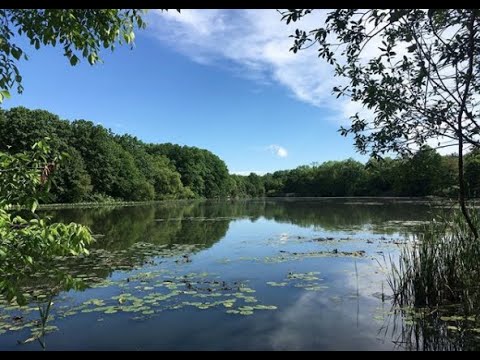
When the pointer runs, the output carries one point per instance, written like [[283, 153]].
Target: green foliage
[[21, 127], [404, 65], [24, 176], [71, 182], [415, 71], [101, 164], [204, 173], [421, 174], [26, 243], [382, 175], [104, 167], [424, 171], [449, 176], [472, 173], [157, 169]]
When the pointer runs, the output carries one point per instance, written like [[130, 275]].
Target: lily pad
[[246, 312]]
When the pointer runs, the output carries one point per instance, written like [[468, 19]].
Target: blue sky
[[222, 80]]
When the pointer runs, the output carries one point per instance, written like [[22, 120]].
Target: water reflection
[[429, 330], [180, 222], [159, 259], [128, 237], [121, 227]]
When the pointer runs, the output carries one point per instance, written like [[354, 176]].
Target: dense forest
[[99, 165]]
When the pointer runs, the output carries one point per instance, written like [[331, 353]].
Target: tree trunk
[[461, 179], [461, 192]]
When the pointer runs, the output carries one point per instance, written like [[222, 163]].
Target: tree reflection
[[131, 236]]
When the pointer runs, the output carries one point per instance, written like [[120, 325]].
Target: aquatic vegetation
[[431, 328], [295, 256], [307, 281], [159, 290], [439, 268], [435, 285], [156, 281]]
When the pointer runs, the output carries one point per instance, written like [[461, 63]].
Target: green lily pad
[[246, 312], [246, 289]]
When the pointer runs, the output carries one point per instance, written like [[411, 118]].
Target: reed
[[440, 267]]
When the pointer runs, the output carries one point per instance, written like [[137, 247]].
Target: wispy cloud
[[255, 44], [278, 150]]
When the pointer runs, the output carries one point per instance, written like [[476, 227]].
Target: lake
[[267, 274]]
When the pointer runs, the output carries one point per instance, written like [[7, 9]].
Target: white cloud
[[255, 44], [278, 150]]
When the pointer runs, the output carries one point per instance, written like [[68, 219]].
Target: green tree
[[157, 169], [472, 172], [449, 176], [254, 185], [423, 82], [348, 177], [20, 127], [274, 183], [99, 152], [420, 173], [28, 242], [381, 175], [71, 183], [237, 186], [201, 171], [299, 181]]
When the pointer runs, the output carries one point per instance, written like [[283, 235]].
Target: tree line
[[424, 173], [100, 166]]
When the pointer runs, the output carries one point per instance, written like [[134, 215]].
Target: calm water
[[297, 274]]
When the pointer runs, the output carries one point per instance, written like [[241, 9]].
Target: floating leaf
[[246, 289], [246, 312]]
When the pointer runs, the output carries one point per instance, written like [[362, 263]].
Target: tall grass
[[441, 267], [436, 286]]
